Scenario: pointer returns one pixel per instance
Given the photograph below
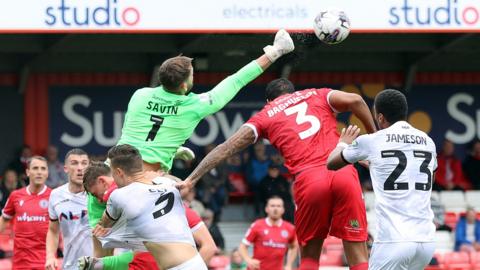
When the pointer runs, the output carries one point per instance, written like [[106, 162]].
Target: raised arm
[[348, 102], [221, 94], [237, 142]]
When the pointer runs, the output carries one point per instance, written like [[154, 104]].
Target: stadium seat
[[369, 198], [219, 262], [443, 241], [451, 219], [454, 201], [5, 264], [332, 258], [457, 261], [475, 260], [332, 243], [473, 198]]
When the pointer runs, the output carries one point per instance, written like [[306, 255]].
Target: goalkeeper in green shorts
[[159, 120]]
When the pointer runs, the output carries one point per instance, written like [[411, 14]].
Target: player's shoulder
[[288, 225], [59, 192], [18, 192]]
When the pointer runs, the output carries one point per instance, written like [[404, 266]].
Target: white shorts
[[195, 263], [401, 255]]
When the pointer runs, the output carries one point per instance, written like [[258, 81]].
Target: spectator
[[236, 261], [449, 175], [19, 164], [274, 184], [193, 203], [439, 215], [467, 235], [212, 186], [471, 165], [257, 169], [57, 175], [8, 185], [208, 218]]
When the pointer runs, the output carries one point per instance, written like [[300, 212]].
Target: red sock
[[308, 264], [361, 266]]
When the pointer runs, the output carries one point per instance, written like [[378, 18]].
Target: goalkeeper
[[159, 120]]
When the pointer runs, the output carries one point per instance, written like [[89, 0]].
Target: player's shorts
[[143, 261], [195, 263], [406, 255], [329, 202]]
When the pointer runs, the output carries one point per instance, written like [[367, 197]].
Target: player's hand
[[253, 264], [287, 267], [364, 163], [349, 134], [51, 263], [100, 231], [282, 44], [184, 187], [184, 153]]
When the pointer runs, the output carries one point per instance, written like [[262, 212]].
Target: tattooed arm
[[239, 141]]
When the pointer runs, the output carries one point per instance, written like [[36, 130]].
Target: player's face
[[75, 167], [37, 172], [274, 209], [99, 188]]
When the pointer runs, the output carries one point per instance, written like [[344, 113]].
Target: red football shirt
[[301, 125], [29, 212], [145, 260], [270, 242]]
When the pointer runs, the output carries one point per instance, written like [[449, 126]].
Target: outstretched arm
[[348, 102], [336, 160], [220, 95], [237, 142]]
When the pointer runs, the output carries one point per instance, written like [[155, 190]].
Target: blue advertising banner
[[92, 117]]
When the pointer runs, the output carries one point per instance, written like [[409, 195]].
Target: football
[[331, 26]]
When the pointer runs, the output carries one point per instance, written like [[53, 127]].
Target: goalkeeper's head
[[176, 75]]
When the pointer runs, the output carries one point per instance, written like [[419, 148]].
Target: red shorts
[[143, 261], [329, 202]]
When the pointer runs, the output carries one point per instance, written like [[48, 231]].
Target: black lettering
[[149, 105], [388, 138], [155, 107], [175, 110]]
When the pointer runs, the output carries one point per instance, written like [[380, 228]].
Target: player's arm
[[291, 254], [206, 245], [221, 94], [251, 262], [8, 212], [3, 223], [53, 234], [349, 102], [237, 142], [336, 159]]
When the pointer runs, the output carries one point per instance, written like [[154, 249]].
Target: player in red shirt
[[302, 126], [270, 237], [28, 207]]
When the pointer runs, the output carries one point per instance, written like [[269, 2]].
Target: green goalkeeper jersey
[[157, 122], [95, 210]]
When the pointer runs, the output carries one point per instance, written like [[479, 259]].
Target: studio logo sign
[[106, 13]]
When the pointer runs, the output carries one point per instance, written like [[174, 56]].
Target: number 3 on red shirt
[[302, 117]]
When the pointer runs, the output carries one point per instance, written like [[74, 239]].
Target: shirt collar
[[267, 220], [41, 191]]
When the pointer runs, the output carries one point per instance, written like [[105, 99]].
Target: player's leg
[[312, 215], [349, 221], [392, 256], [423, 256]]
